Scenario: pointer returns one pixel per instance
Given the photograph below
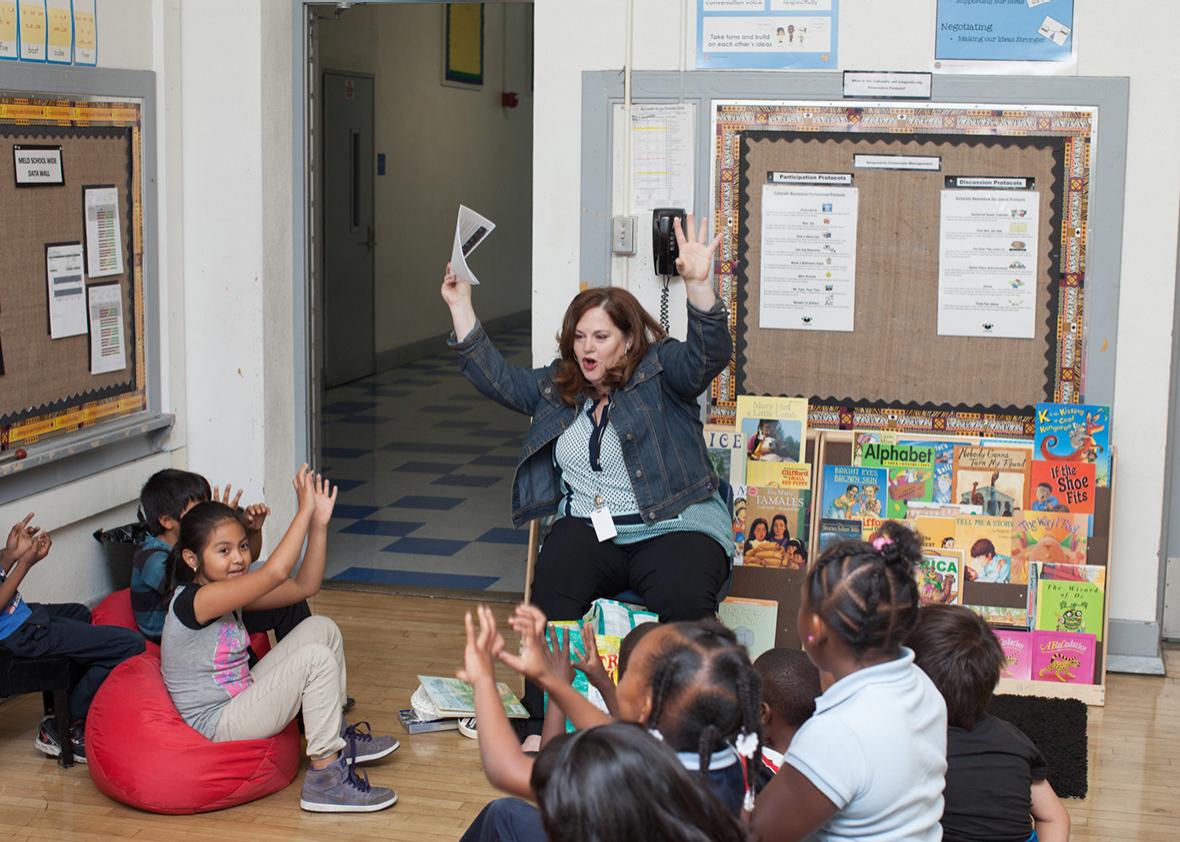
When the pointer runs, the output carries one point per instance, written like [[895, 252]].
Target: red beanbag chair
[[141, 753], [115, 610]]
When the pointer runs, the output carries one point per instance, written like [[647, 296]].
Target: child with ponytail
[[870, 764], [205, 662]]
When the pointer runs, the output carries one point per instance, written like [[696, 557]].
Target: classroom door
[[347, 191]]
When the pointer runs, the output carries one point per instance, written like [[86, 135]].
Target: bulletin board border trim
[[847, 412], [734, 120], [79, 409]]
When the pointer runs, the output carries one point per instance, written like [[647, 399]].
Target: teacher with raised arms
[[615, 449]]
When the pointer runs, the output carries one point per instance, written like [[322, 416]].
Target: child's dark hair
[[196, 528], [865, 592], [982, 547], [790, 684], [704, 691], [617, 782], [628, 643], [957, 649], [167, 492]]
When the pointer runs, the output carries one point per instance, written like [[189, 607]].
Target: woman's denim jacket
[[655, 414]]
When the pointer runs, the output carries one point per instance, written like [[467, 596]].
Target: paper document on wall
[[67, 290], [104, 252], [662, 163], [471, 229], [107, 344]]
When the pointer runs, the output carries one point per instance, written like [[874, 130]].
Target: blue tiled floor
[[421, 458]]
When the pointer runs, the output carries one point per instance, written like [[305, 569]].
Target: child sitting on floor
[[995, 776], [790, 685], [691, 684], [870, 763], [165, 499], [204, 660], [35, 630]]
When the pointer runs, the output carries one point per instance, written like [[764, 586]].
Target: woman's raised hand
[[454, 291], [696, 253]]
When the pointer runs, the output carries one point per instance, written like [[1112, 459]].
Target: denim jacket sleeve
[[690, 366], [511, 386]]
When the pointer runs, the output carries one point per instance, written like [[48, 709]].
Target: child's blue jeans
[[65, 630]]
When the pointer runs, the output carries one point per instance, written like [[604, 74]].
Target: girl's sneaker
[[47, 741], [339, 788], [363, 746]]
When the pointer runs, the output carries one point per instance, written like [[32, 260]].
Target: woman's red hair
[[628, 315]]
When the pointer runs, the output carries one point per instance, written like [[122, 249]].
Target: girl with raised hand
[[205, 661], [871, 762]]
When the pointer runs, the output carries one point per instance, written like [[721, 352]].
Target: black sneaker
[[47, 741]]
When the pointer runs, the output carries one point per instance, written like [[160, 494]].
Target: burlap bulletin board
[[47, 386], [893, 371]]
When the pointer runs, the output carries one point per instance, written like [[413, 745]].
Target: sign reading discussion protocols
[[37, 165]]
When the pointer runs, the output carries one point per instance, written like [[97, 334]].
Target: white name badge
[[604, 524]]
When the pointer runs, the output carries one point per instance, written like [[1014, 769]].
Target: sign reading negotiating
[[37, 165]]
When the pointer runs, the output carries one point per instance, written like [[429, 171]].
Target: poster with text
[[767, 33], [808, 267], [987, 263], [1017, 36]]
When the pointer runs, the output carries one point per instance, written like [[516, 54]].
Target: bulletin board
[[893, 370], [47, 387]]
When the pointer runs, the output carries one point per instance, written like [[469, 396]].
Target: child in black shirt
[[996, 787]]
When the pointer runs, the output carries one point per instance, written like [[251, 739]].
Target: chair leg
[[61, 715]]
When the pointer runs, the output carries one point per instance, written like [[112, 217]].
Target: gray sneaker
[[340, 788], [363, 746]]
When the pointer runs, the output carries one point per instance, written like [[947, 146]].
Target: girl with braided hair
[[871, 762], [690, 684]]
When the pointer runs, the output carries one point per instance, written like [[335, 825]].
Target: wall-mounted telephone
[[663, 240], [664, 251]]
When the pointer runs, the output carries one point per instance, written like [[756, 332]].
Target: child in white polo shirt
[[871, 762]]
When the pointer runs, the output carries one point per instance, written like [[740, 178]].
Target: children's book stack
[[439, 703]]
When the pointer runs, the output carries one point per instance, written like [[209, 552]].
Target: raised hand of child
[[305, 489], [482, 649], [558, 653], [533, 660], [325, 501], [20, 538], [41, 545], [591, 661], [220, 496], [255, 515]]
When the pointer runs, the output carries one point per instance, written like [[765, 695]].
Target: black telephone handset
[[663, 240]]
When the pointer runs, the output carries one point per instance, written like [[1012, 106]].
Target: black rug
[[1057, 728]]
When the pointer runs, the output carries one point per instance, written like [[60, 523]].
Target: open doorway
[[397, 143]]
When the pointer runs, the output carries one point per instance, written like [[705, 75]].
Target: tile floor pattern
[[425, 465]]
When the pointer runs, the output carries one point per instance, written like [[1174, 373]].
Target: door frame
[[317, 325]]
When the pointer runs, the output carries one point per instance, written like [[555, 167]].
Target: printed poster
[[66, 289], [107, 343], [9, 43], [85, 33], [60, 31], [987, 264], [1037, 31], [808, 268], [767, 33], [104, 249], [32, 29]]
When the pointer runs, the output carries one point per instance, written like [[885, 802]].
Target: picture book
[[1017, 646], [1074, 432], [944, 467], [1064, 657], [727, 453], [608, 653], [452, 697], [778, 474], [777, 524], [936, 532], [834, 530], [415, 724], [1057, 537], [754, 621], [739, 522], [923, 508], [1000, 616], [1068, 598], [987, 542], [992, 477], [1062, 487], [852, 492], [910, 477], [939, 576], [772, 429]]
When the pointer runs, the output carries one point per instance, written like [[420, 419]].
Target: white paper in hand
[[471, 229]]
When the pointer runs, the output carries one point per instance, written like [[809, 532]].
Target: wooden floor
[[1134, 753]]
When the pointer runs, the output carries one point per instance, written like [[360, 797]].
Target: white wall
[[899, 35], [443, 146]]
